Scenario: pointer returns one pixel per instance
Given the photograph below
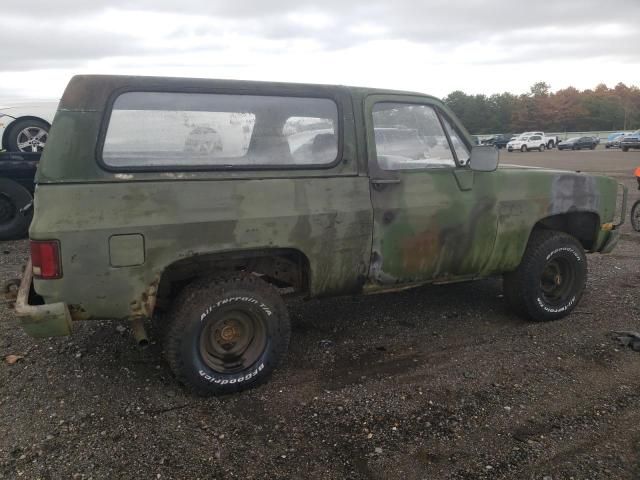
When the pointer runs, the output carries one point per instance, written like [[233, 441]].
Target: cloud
[[364, 37]]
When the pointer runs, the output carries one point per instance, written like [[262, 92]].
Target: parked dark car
[[500, 140], [577, 143], [17, 171], [630, 141], [614, 142]]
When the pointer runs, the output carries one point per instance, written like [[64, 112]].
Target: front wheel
[[523, 148], [541, 148], [635, 216], [227, 334], [625, 149], [548, 283]]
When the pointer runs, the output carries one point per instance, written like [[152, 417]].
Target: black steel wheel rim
[[233, 340], [557, 281]]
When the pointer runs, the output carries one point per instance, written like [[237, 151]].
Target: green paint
[[435, 225]]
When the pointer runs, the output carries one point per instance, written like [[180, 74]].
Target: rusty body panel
[[123, 233]]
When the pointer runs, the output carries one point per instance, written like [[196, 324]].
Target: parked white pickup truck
[[550, 141], [525, 143]]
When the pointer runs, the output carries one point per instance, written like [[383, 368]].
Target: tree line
[[567, 110]]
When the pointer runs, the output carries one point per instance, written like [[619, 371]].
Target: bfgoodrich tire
[[548, 283], [226, 334]]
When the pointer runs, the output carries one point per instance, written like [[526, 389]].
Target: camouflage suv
[[208, 199]]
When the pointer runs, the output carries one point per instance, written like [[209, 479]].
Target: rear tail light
[[45, 259]]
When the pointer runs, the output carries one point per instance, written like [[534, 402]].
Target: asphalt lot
[[439, 382]]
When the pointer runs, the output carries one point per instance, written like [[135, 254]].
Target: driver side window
[[409, 136]]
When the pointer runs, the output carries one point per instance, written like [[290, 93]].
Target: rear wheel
[[28, 135], [548, 283], [550, 144], [635, 216], [227, 334]]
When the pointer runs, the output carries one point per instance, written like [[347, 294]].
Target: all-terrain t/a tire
[[226, 334], [635, 216], [548, 283], [16, 209]]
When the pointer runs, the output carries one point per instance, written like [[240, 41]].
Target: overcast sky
[[431, 46]]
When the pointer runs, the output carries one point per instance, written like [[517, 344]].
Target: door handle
[[384, 181]]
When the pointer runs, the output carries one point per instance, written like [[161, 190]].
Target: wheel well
[[5, 134], [285, 268], [581, 225]]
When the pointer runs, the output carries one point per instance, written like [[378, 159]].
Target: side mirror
[[484, 158]]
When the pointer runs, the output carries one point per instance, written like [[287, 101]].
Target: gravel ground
[[435, 382]]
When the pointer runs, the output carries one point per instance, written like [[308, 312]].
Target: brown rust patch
[[418, 249], [145, 306]]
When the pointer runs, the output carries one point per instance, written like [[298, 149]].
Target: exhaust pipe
[[139, 332]]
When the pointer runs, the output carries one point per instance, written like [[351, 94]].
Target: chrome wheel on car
[[32, 139]]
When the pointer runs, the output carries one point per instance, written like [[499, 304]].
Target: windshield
[[571, 140]]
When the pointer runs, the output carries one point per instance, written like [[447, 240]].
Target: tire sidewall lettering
[[555, 251], [226, 301], [224, 380], [568, 305], [250, 374]]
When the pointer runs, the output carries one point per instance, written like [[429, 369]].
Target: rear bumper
[[48, 320]]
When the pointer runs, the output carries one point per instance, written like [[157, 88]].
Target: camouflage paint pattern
[[434, 225]]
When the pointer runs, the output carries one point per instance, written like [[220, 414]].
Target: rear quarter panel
[[328, 219]]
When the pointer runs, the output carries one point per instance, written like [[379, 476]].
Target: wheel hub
[[32, 139], [556, 280], [232, 340], [230, 333]]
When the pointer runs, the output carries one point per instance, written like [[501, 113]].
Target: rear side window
[[163, 129]]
